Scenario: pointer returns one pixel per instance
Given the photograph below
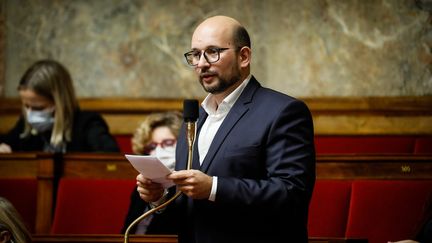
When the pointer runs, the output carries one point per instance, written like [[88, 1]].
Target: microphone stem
[[151, 211], [190, 139]]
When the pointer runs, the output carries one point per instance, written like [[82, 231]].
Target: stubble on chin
[[210, 88]]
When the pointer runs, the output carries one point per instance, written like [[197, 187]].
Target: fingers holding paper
[[193, 183], [148, 190]]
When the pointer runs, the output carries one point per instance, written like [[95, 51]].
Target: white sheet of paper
[[151, 167]]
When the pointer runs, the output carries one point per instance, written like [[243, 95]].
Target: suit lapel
[[202, 117], [240, 107]]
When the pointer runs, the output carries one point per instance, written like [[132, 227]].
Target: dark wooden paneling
[[150, 239], [332, 116]]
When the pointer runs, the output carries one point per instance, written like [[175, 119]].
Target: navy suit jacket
[[263, 155]]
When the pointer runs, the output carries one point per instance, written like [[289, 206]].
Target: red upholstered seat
[[423, 145], [22, 193], [91, 206], [364, 144], [385, 211], [328, 210], [124, 143], [344, 144]]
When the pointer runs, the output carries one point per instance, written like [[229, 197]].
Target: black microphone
[[190, 110], [190, 116]]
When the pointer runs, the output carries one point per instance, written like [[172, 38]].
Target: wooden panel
[[103, 238], [98, 166], [19, 165], [119, 105], [328, 166], [374, 167], [332, 116], [369, 105], [115, 166], [39, 166], [123, 123], [372, 125], [150, 239], [2, 47], [45, 194]]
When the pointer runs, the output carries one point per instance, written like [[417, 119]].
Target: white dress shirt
[[216, 115]]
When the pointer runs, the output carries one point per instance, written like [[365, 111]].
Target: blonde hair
[[52, 80], [143, 133], [11, 221]]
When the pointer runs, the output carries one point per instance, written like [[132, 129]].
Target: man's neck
[[221, 96]]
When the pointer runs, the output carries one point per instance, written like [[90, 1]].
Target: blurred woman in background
[[51, 119], [156, 136]]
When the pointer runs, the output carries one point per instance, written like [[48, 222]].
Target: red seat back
[[364, 144], [124, 143], [91, 206], [383, 211], [423, 145], [22, 193], [328, 210]]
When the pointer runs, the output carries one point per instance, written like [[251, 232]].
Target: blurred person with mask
[[51, 119], [12, 228], [156, 136]]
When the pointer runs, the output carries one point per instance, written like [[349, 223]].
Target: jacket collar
[[240, 108]]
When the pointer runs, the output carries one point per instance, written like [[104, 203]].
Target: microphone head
[[190, 110]]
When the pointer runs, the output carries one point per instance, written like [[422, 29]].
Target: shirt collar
[[210, 106]]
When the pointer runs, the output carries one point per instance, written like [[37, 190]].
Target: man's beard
[[222, 84]]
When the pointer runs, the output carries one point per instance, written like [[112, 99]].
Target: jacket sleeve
[[288, 156]]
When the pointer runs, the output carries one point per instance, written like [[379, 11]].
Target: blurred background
[[134, 49]]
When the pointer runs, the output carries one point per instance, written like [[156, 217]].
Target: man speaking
[[253, 169]]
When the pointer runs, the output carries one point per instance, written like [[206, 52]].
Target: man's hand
[[193, 183], [149, 191]]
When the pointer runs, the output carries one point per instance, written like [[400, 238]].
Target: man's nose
[[203, 61]]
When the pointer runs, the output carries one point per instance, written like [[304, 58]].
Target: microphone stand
[[190, 129], [146, 214]]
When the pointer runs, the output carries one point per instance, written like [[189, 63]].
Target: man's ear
[[245, 55], [5, 236]]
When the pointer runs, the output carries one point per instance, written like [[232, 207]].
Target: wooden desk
[[46, 168], [39, 166], [385, 166], [395, 167], [98, 166], [336, 240], [150, 239], [103, 238]]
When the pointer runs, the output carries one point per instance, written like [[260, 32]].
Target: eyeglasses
[[211, 55], [152, 146]]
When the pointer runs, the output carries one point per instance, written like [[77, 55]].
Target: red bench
[[22, 193], [379, 210], [355, 144], [91, 206]]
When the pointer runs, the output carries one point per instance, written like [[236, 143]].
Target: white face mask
[[41, 121], [166, 156]]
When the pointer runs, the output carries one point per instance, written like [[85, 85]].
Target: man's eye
[[211, 51]]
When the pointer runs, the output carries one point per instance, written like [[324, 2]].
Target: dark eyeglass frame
[[194, 53], [148, 148]]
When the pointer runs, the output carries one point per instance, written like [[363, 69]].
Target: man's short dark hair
[[241, 37]]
